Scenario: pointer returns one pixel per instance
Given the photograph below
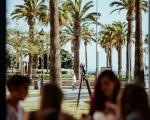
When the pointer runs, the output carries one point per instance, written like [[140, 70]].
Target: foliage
[[113, 36], [119, 30], [79, 11], [64, 17], [30, 8], [146, 40], [66, 59], [128, 5], [80, 15], [87, 34], [10, 59]]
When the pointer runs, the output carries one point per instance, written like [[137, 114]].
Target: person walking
[[74, 82]]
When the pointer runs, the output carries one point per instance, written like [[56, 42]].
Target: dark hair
[[51, 97], [17, 80], [134, 100], [99, 99]]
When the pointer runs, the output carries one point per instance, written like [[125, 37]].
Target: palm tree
[[139, 67], [107, 42], [79, 15], [129, 6], [104, 44], [63, 16], [55, 59], [14, 39], [87, 37], [119, 30], [66, 35], [30, 10]]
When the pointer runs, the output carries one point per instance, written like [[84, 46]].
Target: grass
[[68, 106]]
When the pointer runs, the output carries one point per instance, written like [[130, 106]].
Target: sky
[[105, 18]]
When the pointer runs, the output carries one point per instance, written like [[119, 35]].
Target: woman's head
[[134, 99], [51, 97], [106, 88]]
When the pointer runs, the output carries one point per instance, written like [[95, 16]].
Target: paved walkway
[[69, 94]]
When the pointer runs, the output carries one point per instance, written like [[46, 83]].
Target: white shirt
[[74, 79], [12, 114], [102, 116]]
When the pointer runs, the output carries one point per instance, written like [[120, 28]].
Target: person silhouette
[[18, 87]]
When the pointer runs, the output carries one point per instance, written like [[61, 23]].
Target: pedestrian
[[74, 82], [50, 105], [103, 103], [133, 103], [18, 88]]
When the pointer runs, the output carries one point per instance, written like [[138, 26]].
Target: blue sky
[[106, 18]]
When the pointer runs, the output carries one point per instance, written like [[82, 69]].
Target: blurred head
[[106, 88], [18, 86], [51, 97], [134, 99]]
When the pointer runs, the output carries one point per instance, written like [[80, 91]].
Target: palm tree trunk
[[47, 66], [76, 49], [11, 62], [86, 61], [110, 57], [107, 56], [130, 19], [31, 24], [119, 61], [55, 58], [139, 67], [30, 65], [34, 63], [47, 63], [72, 51], [20, 63]]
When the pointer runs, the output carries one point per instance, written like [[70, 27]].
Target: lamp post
[[149, 49], [41, 33], [129, 62], [97, 64]]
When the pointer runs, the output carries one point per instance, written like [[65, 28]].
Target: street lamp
[[149, 49], [97, 64], [41, 33]]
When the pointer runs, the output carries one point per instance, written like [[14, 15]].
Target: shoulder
[[103, 116], [11, 113], [20, 108], [98, 115], [10, 109]]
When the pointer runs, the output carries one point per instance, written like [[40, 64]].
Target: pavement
[[69, 94]]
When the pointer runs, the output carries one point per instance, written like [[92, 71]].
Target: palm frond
[[85, 8]]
